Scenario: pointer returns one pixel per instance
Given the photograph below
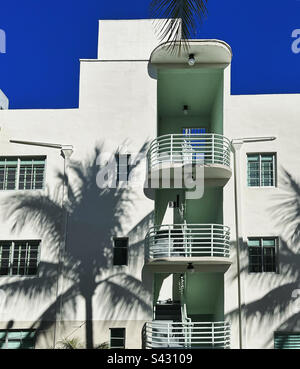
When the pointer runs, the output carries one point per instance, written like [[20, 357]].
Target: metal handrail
[[189, 240], [189, 149], [187, 335]]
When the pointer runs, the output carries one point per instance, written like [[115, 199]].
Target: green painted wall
[[169, 125], [205, 295], [162, 198], [158, 282], [200, 89], [208, 209], [217, 111]]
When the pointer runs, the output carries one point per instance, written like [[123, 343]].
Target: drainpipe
[[66, 152], [236, 146]]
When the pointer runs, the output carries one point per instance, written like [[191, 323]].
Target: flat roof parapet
[[4, 102]]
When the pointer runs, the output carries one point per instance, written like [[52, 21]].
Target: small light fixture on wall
[[192, 60], [190, 268], [185, 109]]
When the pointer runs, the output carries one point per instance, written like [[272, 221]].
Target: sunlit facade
[[159, 213]]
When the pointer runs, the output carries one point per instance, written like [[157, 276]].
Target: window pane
[[123, 167], [17, 339], [5, 250], [31, 174], [121, 242], [8, 173], [117, 337], [255, 259], [268, 241], [269, 254], [120, 256], [267, 170], [253, 171], [269, 259], [254, 242]]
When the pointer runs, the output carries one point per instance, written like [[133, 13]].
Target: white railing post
[[213, 149], [171, 154], [169, 246], [213, 335], [212, 240]]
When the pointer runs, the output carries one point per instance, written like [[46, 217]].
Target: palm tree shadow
[[94, 216], [277, 305]]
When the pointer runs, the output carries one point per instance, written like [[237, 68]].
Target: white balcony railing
[[189, 149], [160, 334], [188, 240]]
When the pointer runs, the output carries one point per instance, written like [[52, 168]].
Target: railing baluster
[[169, 253], [216, 334], [189, 240], [171, 156], [213, 149], [212, 240]]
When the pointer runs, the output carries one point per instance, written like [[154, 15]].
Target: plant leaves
[[176, 20]]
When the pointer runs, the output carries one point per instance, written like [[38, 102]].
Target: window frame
[[114, 248], [11, 258], [285, 333], [274, 161], [29, 331], [19, 159], [276, 248], [117, 158], [123, 338]]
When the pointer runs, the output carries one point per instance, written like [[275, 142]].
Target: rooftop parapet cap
[[3, 101]]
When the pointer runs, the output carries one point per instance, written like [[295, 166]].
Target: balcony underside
[[179, 264], [170, 175]]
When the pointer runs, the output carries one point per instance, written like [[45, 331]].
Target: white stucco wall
[[118, 108], [256, 116], [132, 39]]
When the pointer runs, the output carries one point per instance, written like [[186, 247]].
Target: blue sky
[[46, 39]]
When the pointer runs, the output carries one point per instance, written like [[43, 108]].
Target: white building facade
[[101, 242]]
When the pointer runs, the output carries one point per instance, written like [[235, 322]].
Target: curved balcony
[[175, 151], [180, 244], [181, 335]]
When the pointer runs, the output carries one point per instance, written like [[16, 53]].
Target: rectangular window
[[286, 340], [262, 255], [31, 175], [123, 167], [8, 173], [19, 257], [261, 170], [17, 339], [23, 173], [117, 338], [120, 251]]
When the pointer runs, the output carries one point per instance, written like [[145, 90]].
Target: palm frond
[[39, 210], [177, 20], [71, 344], [286, 212]]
